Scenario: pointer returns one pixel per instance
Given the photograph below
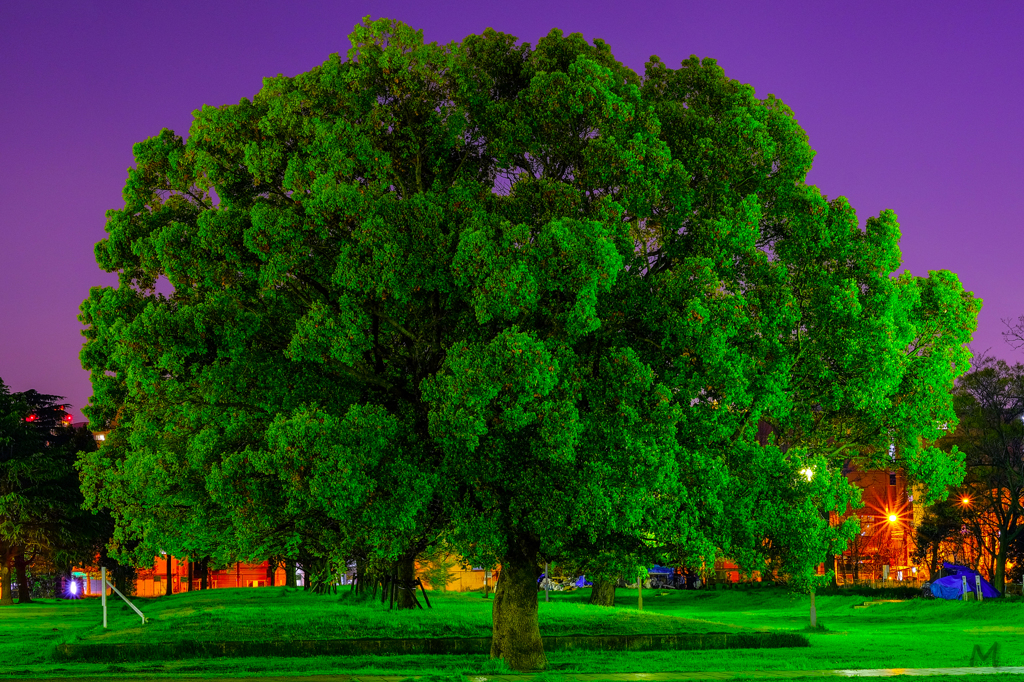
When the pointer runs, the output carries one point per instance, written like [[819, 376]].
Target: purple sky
[[918, 109]]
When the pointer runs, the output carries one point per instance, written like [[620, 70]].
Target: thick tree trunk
[[271, 570], [169, 589], [289, 573], [359, 579], [191, 573], [933, 566], [204, 573], [516, 633], [123, 578], [6, 598], [603, 593], [999, 574], [405, 597], [24, 590]]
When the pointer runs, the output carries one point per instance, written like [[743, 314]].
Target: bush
[[872, 592], [438, 570]]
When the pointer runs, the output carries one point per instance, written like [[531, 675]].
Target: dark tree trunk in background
[[516, 633], [24, 591], [168, 591], [362, 580], [204, 573], [405, 597], [603, 593], [999, 572], [289, 573], [191, 573], [123, 579], [271, 570], [6, 598]]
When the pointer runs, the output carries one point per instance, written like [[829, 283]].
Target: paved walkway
[[582, 677], [745, 674]]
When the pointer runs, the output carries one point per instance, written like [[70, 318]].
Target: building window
[[892, 478]]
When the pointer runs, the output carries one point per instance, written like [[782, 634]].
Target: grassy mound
[[282, 614]]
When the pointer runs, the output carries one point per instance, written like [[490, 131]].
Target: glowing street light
[[893, 518], [809, 473], [965, 501]]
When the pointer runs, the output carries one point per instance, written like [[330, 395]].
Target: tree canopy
[[521, 295], [989, 401], [41, 515]]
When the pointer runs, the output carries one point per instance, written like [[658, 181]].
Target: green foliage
[[437, 570], [990, 406], [41, 516], [519, 295]]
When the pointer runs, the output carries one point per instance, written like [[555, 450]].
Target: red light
[[67, 417], [30, 418]]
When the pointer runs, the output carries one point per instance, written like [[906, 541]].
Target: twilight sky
[[915, 107]]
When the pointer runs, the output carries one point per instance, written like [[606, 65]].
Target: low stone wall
[[441, 645]]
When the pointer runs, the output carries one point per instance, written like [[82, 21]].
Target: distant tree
[[40, 501], [990, 407], [941, 526], [437, 568], [518, 294]]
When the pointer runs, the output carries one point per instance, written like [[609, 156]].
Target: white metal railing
[[104, 583]]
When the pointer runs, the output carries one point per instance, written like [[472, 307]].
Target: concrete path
[[746, 674], [573, 677]]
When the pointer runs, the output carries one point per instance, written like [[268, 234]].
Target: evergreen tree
[[521, 295]]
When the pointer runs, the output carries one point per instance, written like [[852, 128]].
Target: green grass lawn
[[914, 633], [287, 614]]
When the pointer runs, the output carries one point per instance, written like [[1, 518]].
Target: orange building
[[890, 514]]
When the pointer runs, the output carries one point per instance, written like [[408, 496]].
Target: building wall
[[890, 514]]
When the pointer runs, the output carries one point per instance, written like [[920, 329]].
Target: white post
[[547, 581], [103, 593], [977, 587], [963, 581]]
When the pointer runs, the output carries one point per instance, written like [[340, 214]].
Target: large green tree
[[517, 293]]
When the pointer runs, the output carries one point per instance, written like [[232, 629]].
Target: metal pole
[[103, 593], [126, 600]]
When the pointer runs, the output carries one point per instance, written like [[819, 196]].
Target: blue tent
[[951, 587]]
